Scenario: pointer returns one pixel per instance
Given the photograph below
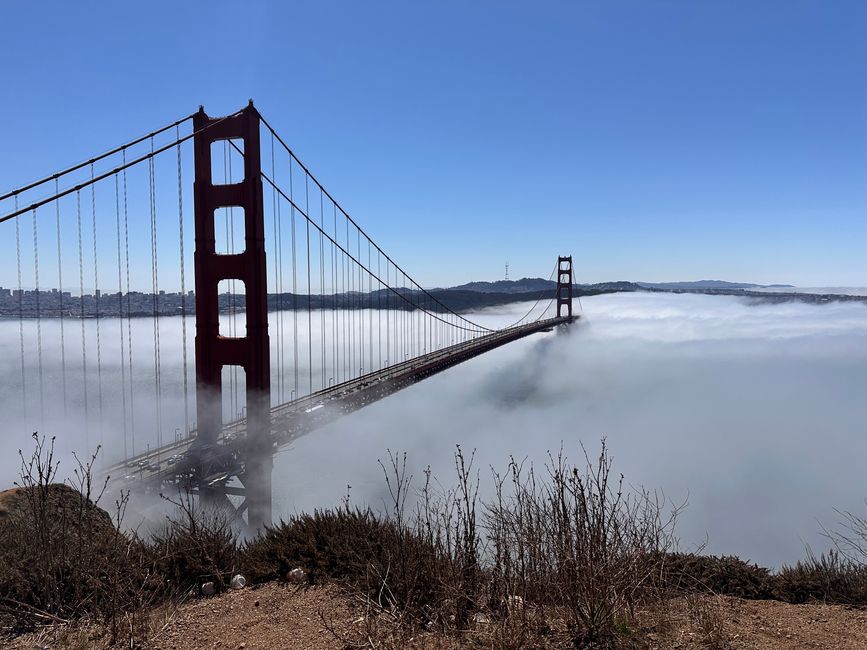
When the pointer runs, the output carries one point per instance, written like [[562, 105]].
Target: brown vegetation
[[568, 560]]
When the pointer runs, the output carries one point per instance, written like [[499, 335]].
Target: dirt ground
[[772, 625], [275, 615], [278, 616]]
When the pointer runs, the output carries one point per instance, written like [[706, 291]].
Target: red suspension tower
[[213, 351], [564, 285]]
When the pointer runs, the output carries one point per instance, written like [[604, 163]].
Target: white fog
[[752, 412]]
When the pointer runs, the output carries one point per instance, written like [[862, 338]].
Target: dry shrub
[[196, 545], [830, 578], [725, 575], [61, 556], [64, 561], [393, 564], [329, 543], [579, 546], [568, 561]]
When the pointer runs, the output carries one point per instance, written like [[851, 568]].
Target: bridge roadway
[[294, 419]]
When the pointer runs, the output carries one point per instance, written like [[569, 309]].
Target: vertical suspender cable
[[20, 310], [60, 293], [334, 313], [309, 298], [322, 311], [274, 204], [230, 248], [128, 311], [388, 353], [183, 288], [38, 324], [379, 305], [359, 293], [294, 281], [83, 337], [350, 306], [344, 308], [156, 305], [96, 294], [280, 296], [120, 319]]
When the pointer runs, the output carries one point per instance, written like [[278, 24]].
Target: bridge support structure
[[564, 285], [214, 351]]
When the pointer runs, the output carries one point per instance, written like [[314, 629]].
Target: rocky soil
[[279, 616]]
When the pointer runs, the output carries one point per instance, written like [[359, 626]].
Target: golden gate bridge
[[343, 325]]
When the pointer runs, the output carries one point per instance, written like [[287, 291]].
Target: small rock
[[208, 589], [238, 582], [256, 604], [296, 575]]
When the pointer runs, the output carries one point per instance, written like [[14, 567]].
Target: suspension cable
[[535, 304], [346, 214], [183, 289], [95, 159], [309, 297], [20, 312], [294, 281], [230, 248], [60, 293], [125, 165], [155, 285], [128, 310], [401, 294], [96, 294], [83, 334], [120, 319], [322, 284], [280, 302], [279, 323], [38, 325]]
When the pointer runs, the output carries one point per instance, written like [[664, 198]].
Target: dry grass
[[568, 559]]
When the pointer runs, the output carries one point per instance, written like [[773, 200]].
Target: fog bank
[[753, 412]]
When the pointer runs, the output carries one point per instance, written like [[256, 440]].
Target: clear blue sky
[[653, 140]]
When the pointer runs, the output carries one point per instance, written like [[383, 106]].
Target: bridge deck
[[294, 419]]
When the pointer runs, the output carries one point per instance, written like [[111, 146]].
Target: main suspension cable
[[91, 161], [346, 214], [125, 165], [295, 208]]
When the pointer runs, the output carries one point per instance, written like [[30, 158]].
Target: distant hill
[[529, 285], [506, 286], [708, 284]]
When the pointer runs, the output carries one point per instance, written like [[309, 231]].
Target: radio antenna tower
[[507, 271]]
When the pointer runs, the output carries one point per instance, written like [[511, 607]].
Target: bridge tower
[[564, 285], [213, 351]]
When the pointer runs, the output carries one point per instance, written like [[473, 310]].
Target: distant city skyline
[[654, 141]]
